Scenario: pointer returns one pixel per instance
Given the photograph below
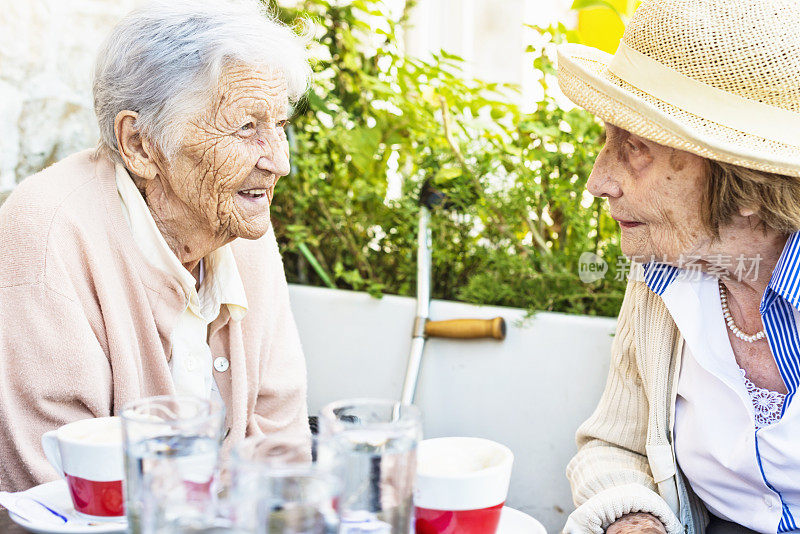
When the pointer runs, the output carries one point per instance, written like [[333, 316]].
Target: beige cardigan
[[85, 321], [625, 461]]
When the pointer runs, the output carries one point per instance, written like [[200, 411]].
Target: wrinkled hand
[[636, 524]]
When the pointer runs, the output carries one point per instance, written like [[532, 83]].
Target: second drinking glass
[[276, 488], [375, 443]]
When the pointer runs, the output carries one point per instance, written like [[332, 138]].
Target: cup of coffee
[[88, 455], [461, 486]]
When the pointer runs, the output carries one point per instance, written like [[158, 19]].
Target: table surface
[[7, 526]]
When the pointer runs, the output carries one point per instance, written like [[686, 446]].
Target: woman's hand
[[637, 524]]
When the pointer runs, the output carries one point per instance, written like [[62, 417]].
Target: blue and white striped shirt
[[749, 476]]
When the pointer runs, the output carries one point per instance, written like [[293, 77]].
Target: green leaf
[[446, 174], [315, 265], [447, 55]]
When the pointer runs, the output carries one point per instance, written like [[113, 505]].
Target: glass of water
[[276, 487], [171, 446], [375, 442]]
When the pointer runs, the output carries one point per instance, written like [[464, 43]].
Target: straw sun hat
[[718, 78]]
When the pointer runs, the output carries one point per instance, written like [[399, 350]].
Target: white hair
[[164, 60]]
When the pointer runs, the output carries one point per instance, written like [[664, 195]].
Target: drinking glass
[[171, 446], [276, 488], [375, 441]]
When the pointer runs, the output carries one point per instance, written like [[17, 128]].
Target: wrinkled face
[[232, 156], [655, 193]]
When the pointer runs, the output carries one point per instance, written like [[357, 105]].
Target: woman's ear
[[747, 212], [136, 152]]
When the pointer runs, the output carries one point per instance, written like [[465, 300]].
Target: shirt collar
[[784, 282], [659, 276], [785, 279], [222, 283]]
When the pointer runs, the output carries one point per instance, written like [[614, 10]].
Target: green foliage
[[519, 218]]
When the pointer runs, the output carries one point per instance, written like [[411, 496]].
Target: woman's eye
[[247, 129], [632, 147], [282, 123]]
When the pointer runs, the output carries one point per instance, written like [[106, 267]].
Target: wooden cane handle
[[467, 328]]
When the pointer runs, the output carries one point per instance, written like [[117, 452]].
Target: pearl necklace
[[726, 312]]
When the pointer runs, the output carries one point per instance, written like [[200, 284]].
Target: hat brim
[[584, 78]]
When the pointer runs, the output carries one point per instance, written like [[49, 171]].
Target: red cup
[[481, 521], [461, 485], [88, 455]]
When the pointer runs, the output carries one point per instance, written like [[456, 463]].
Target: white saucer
[[56, 495], [516, 522]]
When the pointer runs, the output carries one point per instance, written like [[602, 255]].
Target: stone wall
[[47, 51]]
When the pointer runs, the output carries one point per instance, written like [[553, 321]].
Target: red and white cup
[[461, 486], [88, 455]]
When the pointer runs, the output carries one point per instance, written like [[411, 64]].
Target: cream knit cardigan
[[625, 461]]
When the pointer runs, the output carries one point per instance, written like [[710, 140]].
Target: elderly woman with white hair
[[697, 430], [123, 274]]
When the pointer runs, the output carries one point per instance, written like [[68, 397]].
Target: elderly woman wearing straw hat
[[149, 266], [697, 430]]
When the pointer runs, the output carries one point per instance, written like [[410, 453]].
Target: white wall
[[489, 34], [530, 391]]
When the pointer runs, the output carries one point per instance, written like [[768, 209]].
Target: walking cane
[[423, 327]]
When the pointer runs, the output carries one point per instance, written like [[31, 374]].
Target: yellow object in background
[[602, 23]]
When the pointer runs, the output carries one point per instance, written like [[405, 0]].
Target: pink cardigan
[[85, 321]]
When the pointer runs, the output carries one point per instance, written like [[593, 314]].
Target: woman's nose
[[275, 156], [601, 182], [276, 166]]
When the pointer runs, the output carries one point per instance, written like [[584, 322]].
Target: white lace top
[[767, 404]]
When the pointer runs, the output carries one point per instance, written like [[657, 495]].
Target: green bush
[[519, 218]]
